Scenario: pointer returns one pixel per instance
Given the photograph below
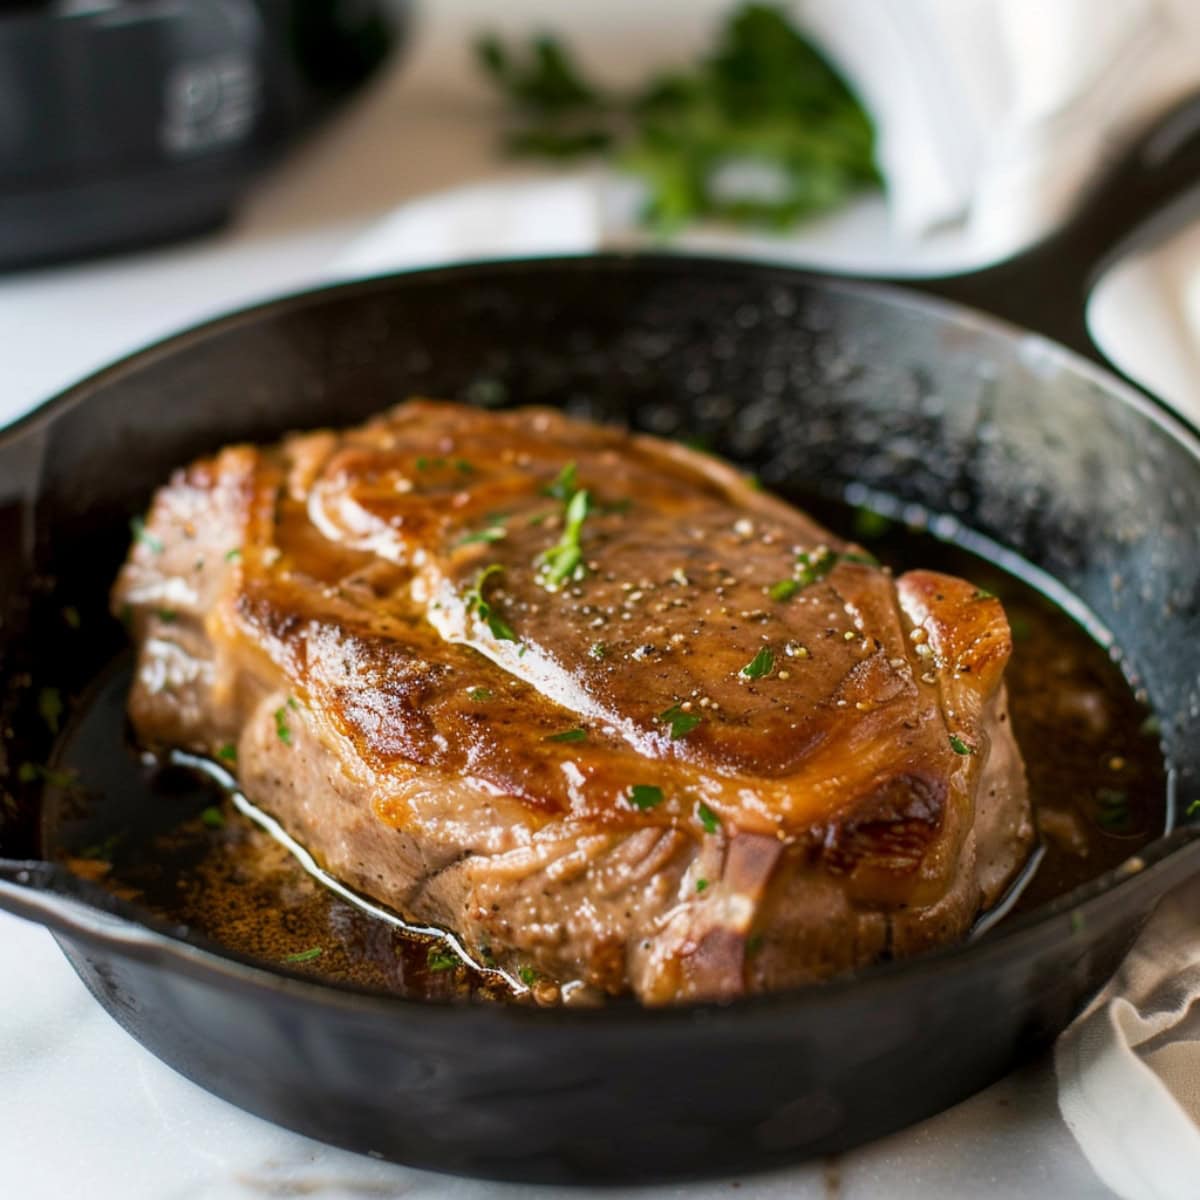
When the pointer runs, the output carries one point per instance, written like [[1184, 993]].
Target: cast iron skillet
[[806, 379]]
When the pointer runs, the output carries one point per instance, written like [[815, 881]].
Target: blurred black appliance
[[127, 122]]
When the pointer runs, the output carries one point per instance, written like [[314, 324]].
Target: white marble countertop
[[82, 1104]]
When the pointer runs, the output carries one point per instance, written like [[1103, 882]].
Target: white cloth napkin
[[993, 113], [1129, 1068]]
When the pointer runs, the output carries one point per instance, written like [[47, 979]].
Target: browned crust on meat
[[336, 571]]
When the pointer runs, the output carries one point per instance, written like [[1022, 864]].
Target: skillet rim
[[143, 940]]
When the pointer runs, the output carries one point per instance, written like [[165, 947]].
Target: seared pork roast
[[589, 700]]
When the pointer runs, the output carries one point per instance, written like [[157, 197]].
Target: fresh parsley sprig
[[760, 131]]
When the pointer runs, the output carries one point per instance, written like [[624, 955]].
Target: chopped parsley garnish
[[982, 594], [103, 851], [598, 650], [1151, 726], [167, 615], [681, 723], [228, 752], [864, 560], [494, 532], [213, 817], [564, 486], [564, 560], [479, 694], [50, 706], [1112, 809], [1020, 627], [959, 746], [814, 566], [528, 976], [708, 818], [70, 614], [29, 772], [785, 589], [567, 735], [754, 943], [142, 534], [645, 796], [1192, 809], [701, 884], [868, 524], [759, 665], [303, 956], [232, 555], [282, 731], [463, 467], [475, 602], [436, 959]]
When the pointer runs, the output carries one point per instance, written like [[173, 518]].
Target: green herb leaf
[[546, 80], [598, 650], [785, 589], [479, 694], [959, 746], [564, 560], [812, 566], [645, 796], [528, 976], [476, 603], [567, 735], [103, 851], [234, 554], [492, 533], [213, 817], [701, 884], [564, 485], [228, 752], [681, 723], [982, 594], [437, 959], [1113, 809], [29, 772], [50, 706], [463, 467], [303, 956], [70, 615], [760, 130], [759, 665], [863, 560], [141, 534], [167, 615], [282, 730], [1192, 809], [870, 525], [708, 818]]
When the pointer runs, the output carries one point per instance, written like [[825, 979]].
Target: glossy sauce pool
[[178, 843]]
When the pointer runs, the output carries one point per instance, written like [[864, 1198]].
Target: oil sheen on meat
[[590, 700]]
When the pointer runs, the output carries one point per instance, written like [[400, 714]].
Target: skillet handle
[[1147, 194], [48, 895]]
